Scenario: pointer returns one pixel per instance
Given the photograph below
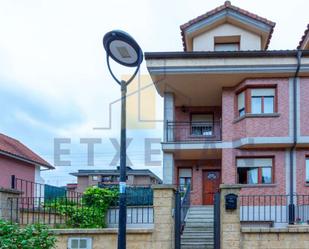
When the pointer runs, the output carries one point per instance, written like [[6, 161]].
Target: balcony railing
[[193, 131]]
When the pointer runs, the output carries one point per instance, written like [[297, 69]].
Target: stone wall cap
[[74, 231], [164, 186], [289, 229], [230, 186], [9, 190]]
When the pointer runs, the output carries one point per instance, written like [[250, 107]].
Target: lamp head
[[122, 48]]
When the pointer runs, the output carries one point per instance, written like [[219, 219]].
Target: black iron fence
[[182, 205], [139, 207], [39, 190], [193, 131], [273, 209], [82, 211]]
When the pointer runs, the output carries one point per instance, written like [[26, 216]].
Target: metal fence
[[140, 212], [80, 211], [193, 131], [182, 205], [274, 209], [39, 190]]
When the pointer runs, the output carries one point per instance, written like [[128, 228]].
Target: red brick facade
[[235, 128]]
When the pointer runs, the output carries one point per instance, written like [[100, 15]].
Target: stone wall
[[6, 205], [106, 238], [292, 237], [161, 235], [233, 236]]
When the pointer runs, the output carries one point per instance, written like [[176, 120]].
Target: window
[[241, 104], [202, 124], [255, 170], [262, 100], [307, 170], [185, 176], [95, 178], [227, 46], [79, 243], [227, 43]]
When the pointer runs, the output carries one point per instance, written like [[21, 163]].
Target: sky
[[54, 81]]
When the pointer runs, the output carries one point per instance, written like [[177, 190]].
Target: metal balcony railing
[[193, 131]]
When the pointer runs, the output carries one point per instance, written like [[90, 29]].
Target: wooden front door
[[211, 183]]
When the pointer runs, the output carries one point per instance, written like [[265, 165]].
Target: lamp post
[[123, 49]]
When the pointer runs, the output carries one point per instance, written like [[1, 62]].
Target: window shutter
[[185, 173], [263, 92], [241, 101], [202, 118], [254, 162]]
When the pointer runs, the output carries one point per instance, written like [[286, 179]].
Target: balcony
[[193, 131]]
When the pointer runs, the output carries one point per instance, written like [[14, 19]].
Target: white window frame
[[88, 239]]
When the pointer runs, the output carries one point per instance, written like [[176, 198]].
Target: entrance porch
[[204, 177]]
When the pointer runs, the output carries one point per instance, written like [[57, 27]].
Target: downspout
[[292, 150]]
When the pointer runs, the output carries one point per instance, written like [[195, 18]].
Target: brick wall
[[304, 106], [229, 170], [255, 127]]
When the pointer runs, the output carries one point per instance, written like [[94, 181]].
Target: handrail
[[185, 205]]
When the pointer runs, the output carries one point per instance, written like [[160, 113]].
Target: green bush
[[89, 212], [31, 237]]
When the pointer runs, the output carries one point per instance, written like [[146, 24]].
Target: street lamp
[[123, 49]]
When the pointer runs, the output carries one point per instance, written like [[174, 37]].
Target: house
[[135, 177], [234, 111], [16, 159]]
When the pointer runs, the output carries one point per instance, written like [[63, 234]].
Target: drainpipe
[[292, 150]]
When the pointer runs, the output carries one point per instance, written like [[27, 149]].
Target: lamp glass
[[123, 52]]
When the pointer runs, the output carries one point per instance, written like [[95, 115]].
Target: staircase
[[199, 228]]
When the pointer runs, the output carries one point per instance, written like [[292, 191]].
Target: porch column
[[168, 168], [169, 115]]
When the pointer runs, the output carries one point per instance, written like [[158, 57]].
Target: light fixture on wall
[[184, 109], [197, 168]]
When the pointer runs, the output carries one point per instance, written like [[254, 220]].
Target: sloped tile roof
[[303, 37], [226, 5], [12, 147]]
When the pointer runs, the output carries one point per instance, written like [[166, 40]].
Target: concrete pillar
[[163, 204], [230, 219], [168, 168], [9, 204], [169, 115]]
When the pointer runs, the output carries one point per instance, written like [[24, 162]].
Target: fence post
[[217, 221], [229, 219], [177, 219], [13, 181]]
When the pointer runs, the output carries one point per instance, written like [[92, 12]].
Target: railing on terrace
[[273, 209], [193, 131]]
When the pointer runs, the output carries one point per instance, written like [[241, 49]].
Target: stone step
[[197, 245], [197, 236]]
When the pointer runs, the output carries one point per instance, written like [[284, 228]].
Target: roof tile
[[226, 5], [11, 146]]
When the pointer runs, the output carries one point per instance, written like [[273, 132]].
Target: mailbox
[[231, 202]]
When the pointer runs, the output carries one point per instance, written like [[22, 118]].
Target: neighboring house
[[234, 112], [304, 42], [18, 160], [140, 177]]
